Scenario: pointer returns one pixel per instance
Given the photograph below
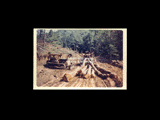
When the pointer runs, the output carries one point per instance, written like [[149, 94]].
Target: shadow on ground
[[53, 66]]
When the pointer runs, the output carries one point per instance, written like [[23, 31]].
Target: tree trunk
[[44, 38]]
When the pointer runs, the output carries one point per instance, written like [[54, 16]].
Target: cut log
[[84, 61], [118, 82], [113, 75], [110, 82], [68, 76], [83, 71], [93, 74], [102, 69], [97, 71], [88, 75]]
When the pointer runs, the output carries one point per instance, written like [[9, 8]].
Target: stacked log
[[84, 62], [68, 76], [108, 73], [83, 71], [111, 78], [90, 70], [93, 74], [88, 75], [109, 82], [97, 71]]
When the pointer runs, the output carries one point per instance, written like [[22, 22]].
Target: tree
[[41, 33], [51, 33], [116, 37], [44, 38], [105, 43]]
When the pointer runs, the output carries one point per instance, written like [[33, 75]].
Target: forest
[[104, 43]]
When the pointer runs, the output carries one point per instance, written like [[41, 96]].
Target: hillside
[[53, 48], [105, 43]]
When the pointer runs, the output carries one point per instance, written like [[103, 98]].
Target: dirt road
[[52, 77]]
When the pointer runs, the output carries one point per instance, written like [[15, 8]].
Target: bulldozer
[[59, 60]]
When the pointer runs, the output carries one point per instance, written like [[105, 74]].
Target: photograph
[[80, 58]]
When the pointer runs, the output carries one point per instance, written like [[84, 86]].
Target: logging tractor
[[59, 60], [66, 61]]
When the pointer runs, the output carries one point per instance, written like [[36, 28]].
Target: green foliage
[[106, 43], [51, 33]]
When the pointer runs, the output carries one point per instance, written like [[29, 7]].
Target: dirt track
[[49, 77]]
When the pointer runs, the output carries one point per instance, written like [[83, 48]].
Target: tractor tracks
[[77, 82], [53, 80]]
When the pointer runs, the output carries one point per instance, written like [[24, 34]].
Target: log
[[113, 75], [68, 76], [110, 82], [107, 72], [93, 74], [88, 75], [97, 71], [103, 70], [83, 71], [84, 61]]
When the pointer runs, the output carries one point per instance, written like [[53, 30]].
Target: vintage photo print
[[80, 59]]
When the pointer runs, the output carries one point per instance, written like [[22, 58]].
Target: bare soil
[[52, 77]]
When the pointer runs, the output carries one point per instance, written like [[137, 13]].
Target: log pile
[[88, 71], [93, 74], [68, 76], [83, 71]]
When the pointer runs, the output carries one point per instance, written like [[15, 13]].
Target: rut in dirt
[[101, 78], [80, 82]]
